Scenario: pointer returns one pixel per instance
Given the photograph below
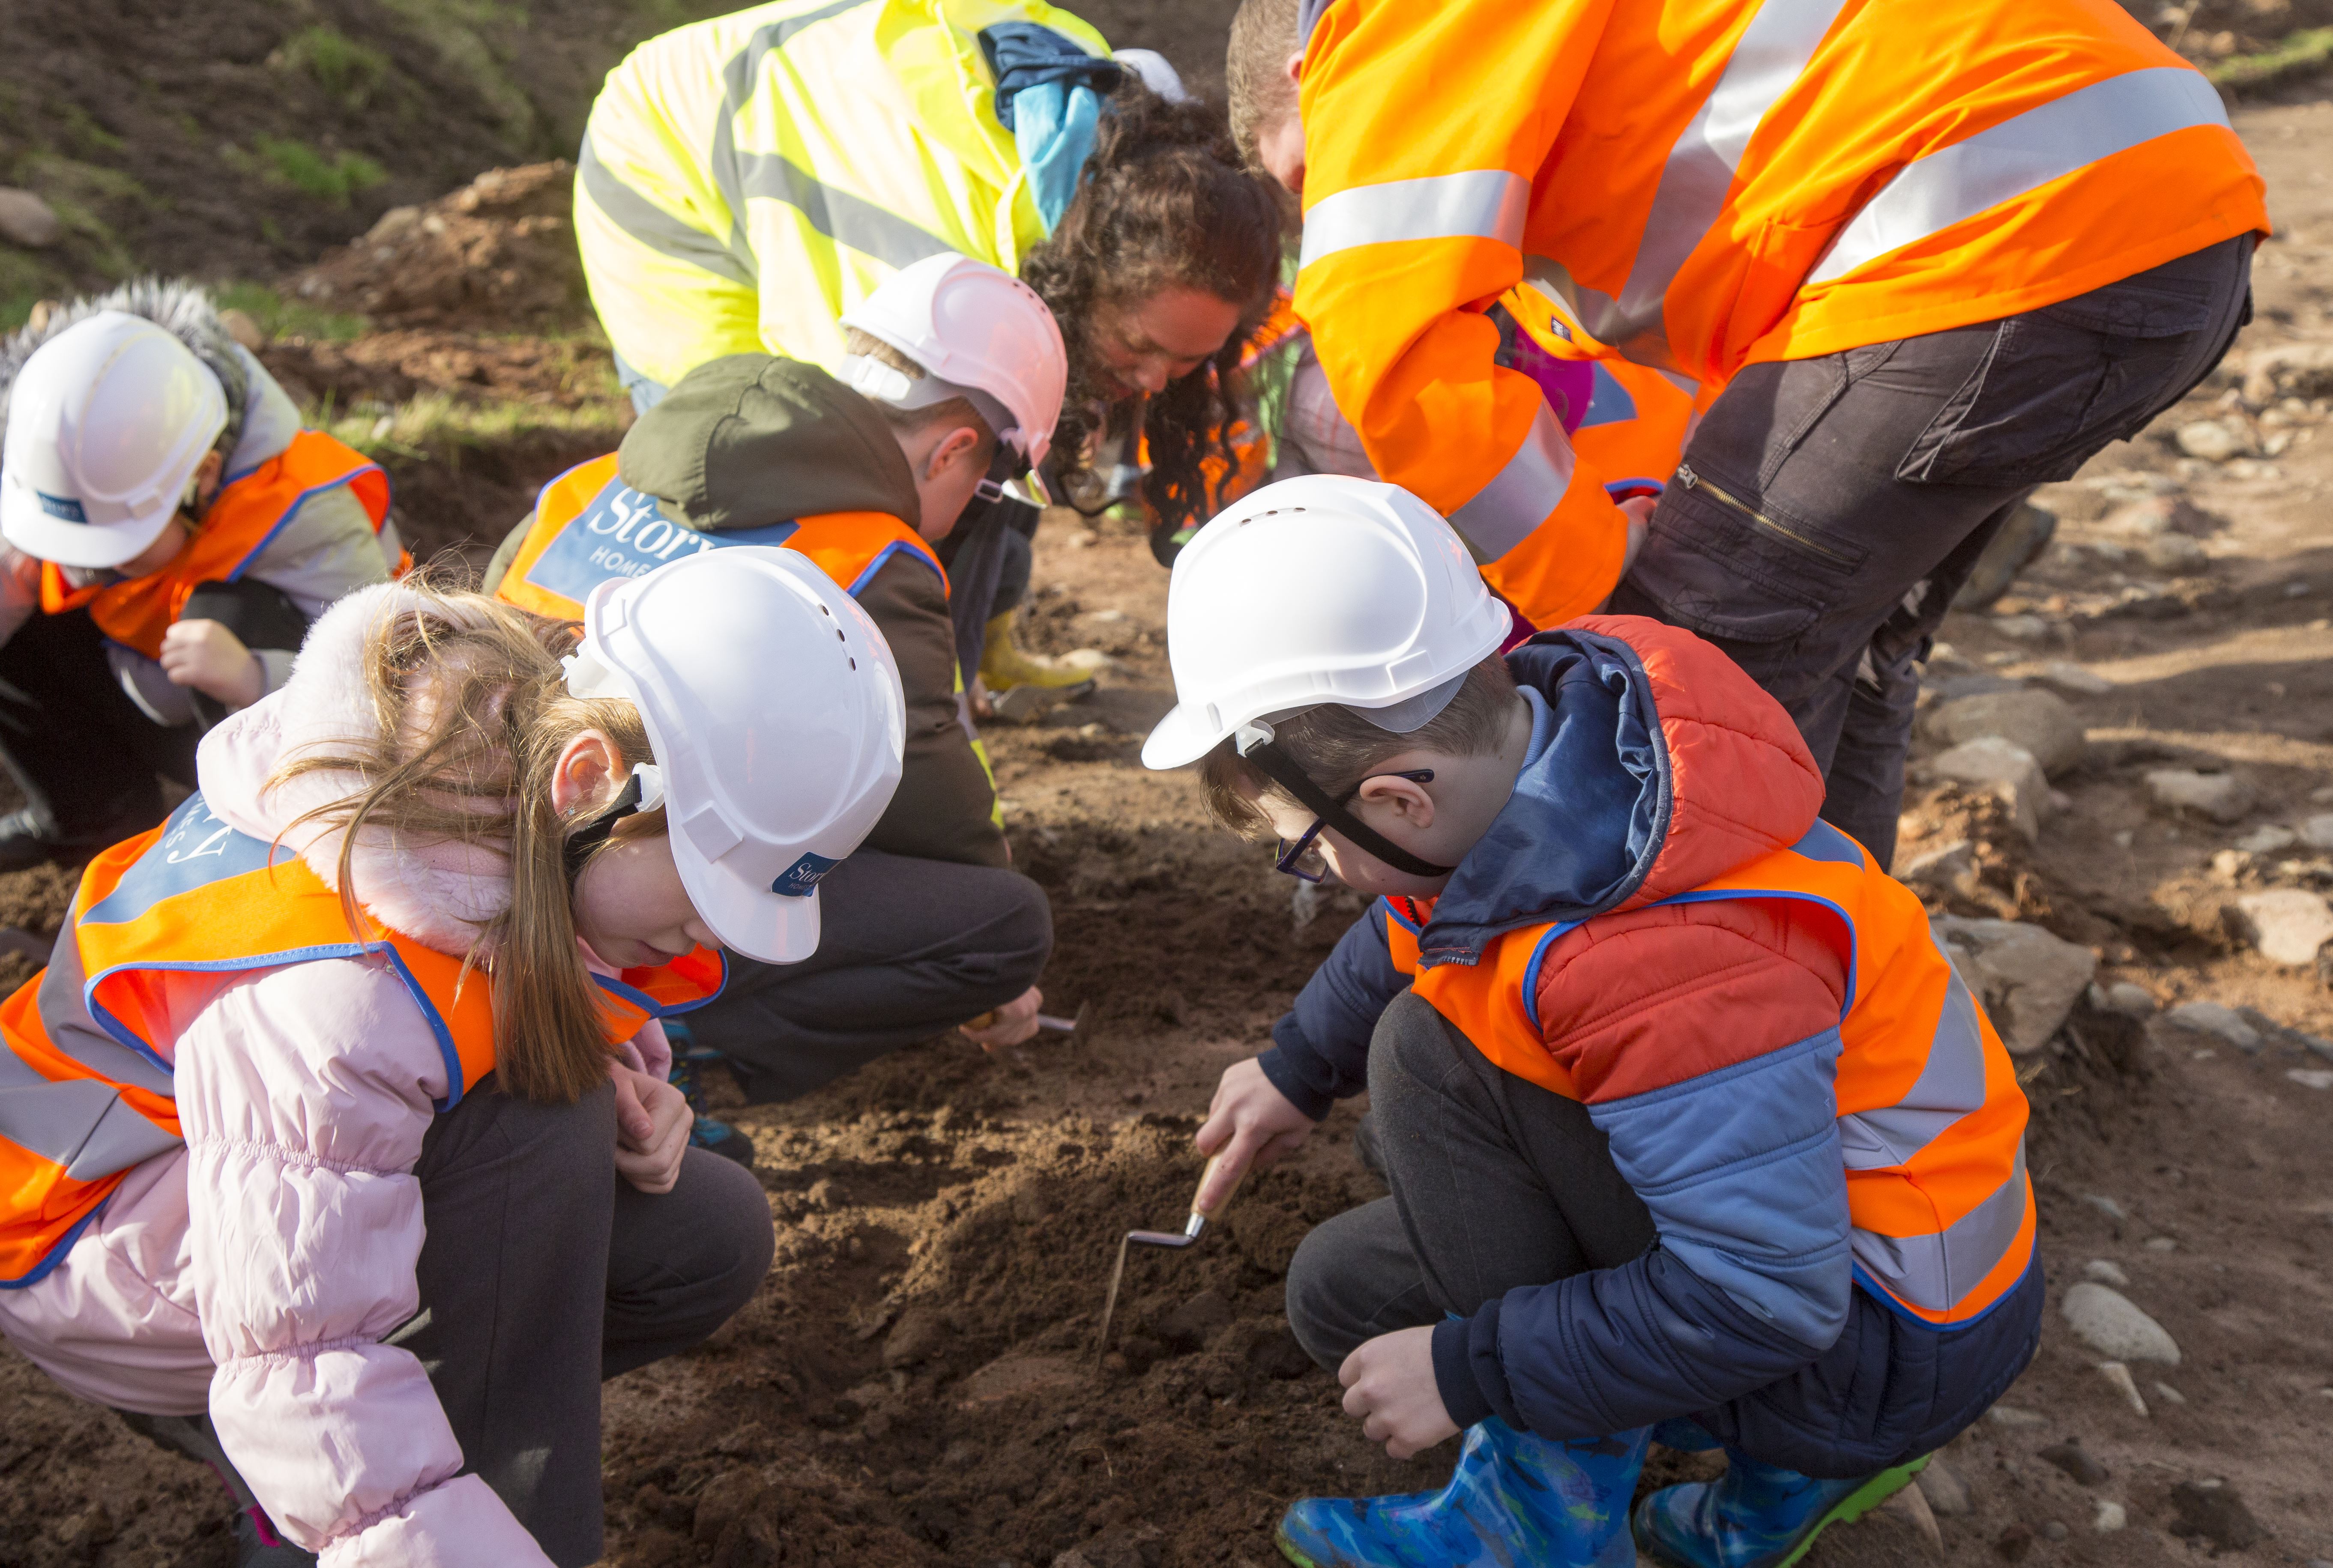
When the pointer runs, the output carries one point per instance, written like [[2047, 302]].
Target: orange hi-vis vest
[[1700, 184], [1931, 1119], [160, 921], [249, 510], [591, 526]]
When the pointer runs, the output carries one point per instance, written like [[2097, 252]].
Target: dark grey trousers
[[907, 948], [1879, 474], [544, 1273], [1497, 1183]]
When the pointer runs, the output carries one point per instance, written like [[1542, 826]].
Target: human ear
[[957, 444], [1295, 67], [1405, 797], [589, 770]]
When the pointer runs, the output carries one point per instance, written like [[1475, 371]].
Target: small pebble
[[2105, 1206], [2161, 1244], [2311, 1077], [2012, 1416], [2117, 1376], [2111, 1518], [2054, 1531], [2168, 1394], [2104, 1272], [2075, 1461], [2205, 1054]]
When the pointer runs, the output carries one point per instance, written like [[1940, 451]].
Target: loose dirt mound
[[498, 255]]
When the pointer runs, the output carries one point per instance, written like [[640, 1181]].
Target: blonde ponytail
[[471, 713]]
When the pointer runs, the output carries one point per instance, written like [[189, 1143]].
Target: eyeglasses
[[1303, 859]]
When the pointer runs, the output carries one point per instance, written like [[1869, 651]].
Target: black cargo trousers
[[1828, 509]]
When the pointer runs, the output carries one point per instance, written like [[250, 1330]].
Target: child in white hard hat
[[170, 530], [315, 1181], [1693, 1133], [954, 381]]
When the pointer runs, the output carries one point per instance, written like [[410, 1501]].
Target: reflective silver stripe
[[1956, 183], [121, 1138], [49, 1119], [64, 1013], [1951, 1085], [1504, 512], [1770, 54], [1485, 204], [844, 218], [736, 89], [1933, 1272], [655, 228]]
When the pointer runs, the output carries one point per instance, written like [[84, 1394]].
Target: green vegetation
[[81, 131], [434, 426], [341, 66], [25, 282], [457, 30], [329, 177], [2306, 51], [282, 316]]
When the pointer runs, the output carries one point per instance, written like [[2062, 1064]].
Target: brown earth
[[915, 1383]]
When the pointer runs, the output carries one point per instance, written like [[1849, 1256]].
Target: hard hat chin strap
[[1256, 744], [643, 791]]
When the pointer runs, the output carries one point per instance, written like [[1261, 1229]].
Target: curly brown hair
[[1164, 202]]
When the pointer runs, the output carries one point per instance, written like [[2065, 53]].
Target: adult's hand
[[652, 1126], [211, 659], [1639, 510], [1250, 1123], [1010, 1025], [1389, 1385]]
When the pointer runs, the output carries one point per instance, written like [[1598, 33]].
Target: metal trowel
[[1172, 1240]]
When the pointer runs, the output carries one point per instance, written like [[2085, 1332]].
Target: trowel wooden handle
[[1210, 1210]]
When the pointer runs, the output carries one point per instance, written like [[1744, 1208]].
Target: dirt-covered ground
[[917, 1382]]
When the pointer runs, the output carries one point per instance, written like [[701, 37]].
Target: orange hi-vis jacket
[[1931, 1120], [159, 922], [248, 510], [591, 526], [1699, 184]]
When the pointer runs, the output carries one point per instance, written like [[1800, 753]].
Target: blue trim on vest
[[1823, 842], [1539, 956], [884, 555], [1872, 1288], [454, 1085], [1627, 489], [56, 1253], [1395, 915], [300, 500], [650, 1005]]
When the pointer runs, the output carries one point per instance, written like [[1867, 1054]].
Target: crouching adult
[[170, 531]]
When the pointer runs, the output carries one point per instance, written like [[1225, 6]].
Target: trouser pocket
[[1724, 561]]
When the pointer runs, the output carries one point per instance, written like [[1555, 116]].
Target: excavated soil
[[917, 1382]]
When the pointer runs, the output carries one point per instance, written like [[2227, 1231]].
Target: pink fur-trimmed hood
[[440, 894]]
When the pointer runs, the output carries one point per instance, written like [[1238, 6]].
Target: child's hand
[[211, 659], [1251, 1124], [653, 1122], [1389, 1385], [1009, 1025]]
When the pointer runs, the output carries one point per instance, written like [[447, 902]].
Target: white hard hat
[[774, 709], [980, 332], [107, 423], [1320, 590]]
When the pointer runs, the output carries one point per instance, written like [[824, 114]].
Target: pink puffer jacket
[[255, 1271]]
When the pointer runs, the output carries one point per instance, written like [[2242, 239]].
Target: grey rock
[[2075, 1461], [2013, 1416], [2174, 553], [2018, 544], [2221, 1022], [2108, 1207], [2213, 1511], [2069, 678], [2130, 998], [2027, 980], [2112, 1324], [1947, 1494], [2168, 1394], [2161, 1244], [2317, 831], [2311, 1077], [27, 220], [1951, 688], [2267, 839], [2118, 1379], [2111, 1517], [2037, 723], [2105, 1271], [2217, 440], [2286, 924], [2054, 1530], [2222, 797], [2025, 629], [2005, 772], [2288, 370], [2153, 515], [1944, 868]]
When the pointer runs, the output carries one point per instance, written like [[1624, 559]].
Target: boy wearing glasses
[[1691, 1128]]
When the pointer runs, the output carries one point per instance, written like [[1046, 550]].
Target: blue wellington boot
[[1515, 1498], [690, 1062], [1755, 1515]]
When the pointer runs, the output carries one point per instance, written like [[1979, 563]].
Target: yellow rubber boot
[[1021, 685]]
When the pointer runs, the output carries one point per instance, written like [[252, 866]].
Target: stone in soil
[[2317, 831], [2015, 546], [2111, 1517], [2266, 840], [2222, 797], [2112, 1324], [27, 220], [2130, 998], [2286, 924], [2006, 771], [2311, 1077], [2213, 1511], [2069, 678], [1947, 866], [2027, 978], [2217, 440], [2037, 723], [920, 1334], [2119, 1378], [2104, 1272], [1947, 1494], [2075, 1461], [2214, 1019], [2174, 553]]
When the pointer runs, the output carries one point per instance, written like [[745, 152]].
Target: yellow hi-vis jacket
[[1704, 184], [745, 181]]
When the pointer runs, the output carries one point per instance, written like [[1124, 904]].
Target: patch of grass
[[331, 177], [2308, 50], [81, 131], [347, 70], [457, 30], [435, 426], [25, 282], [282, 316]]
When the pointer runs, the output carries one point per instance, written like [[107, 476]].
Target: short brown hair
[[914, 421], [1255, 69], [1337, 748]]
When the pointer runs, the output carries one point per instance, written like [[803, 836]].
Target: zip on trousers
[[1691, 481]]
